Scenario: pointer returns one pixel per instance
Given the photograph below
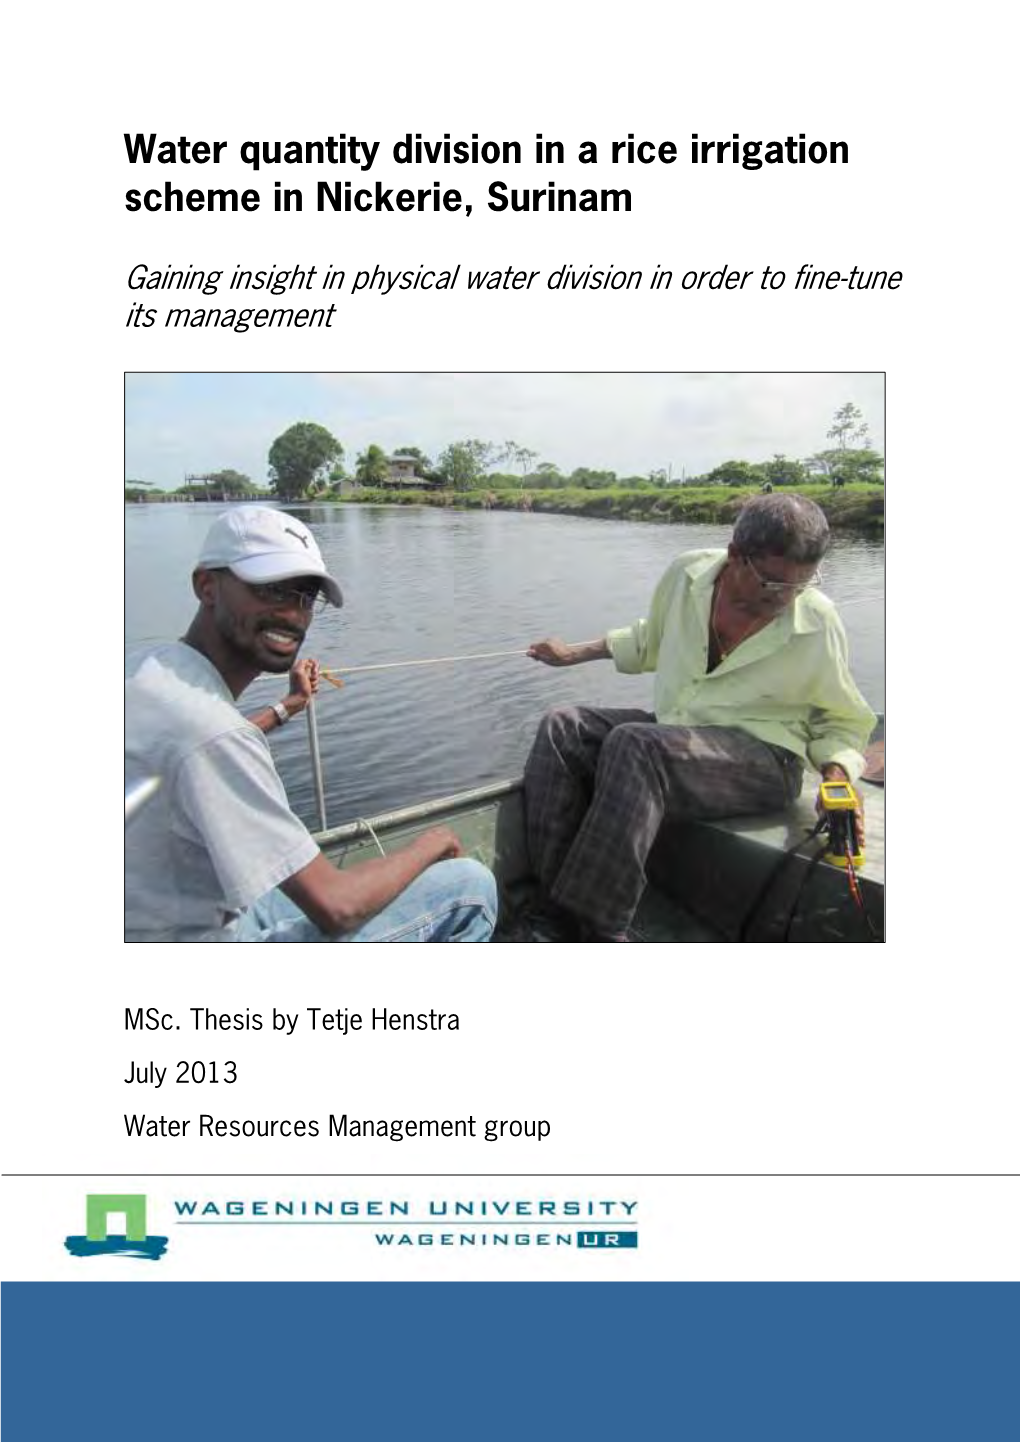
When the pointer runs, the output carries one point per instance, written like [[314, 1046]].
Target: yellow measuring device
[[839, 802]]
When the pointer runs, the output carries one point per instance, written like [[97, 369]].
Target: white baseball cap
[[260, 544]]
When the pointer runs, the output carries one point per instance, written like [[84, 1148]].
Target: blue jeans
[[451, 901]]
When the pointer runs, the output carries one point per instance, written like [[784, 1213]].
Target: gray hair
[[790, 526]]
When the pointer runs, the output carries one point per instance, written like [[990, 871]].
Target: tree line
[[307, 461]]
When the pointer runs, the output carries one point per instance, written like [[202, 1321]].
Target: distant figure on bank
[[751, 681], [217, 854]]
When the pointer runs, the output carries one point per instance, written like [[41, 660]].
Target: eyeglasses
[[310, 597], [781, 588]]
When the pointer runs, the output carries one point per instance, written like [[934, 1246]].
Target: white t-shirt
[[219, 832]]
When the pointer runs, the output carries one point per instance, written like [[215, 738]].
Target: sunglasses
[[781, 588], [309, 596]]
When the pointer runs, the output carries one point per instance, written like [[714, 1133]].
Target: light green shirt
[[789, 684]]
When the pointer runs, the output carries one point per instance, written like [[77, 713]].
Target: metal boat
[[760, 878]]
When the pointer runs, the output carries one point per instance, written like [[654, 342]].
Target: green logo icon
[[99, 1241]]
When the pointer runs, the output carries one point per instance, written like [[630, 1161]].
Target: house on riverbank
[[402, 475]]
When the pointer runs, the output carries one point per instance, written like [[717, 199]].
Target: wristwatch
[[281, 713]]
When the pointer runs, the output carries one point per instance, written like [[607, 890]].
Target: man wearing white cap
[[217, 854]]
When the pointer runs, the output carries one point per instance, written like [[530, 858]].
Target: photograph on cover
[[537, 657]]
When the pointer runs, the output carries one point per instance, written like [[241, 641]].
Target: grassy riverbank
[[856, 508]]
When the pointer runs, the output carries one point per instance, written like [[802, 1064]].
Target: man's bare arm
[[304, 682], [554, 652], [338, 901]]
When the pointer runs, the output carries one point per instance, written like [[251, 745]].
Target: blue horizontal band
[[485, 1361]]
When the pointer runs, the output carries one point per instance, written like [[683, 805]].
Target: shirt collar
[[704, 567], [803, 617]]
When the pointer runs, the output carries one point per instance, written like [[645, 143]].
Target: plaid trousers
[[599, 784]]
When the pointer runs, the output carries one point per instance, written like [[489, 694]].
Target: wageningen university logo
[[584, 1224], [99, 1241]]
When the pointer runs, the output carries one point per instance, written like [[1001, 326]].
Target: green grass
[[859, 508]]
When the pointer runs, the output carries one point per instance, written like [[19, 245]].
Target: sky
[[684, 422]]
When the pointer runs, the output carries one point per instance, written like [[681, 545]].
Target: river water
[[425, 582]]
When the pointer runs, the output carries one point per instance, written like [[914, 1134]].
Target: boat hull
[[743, 879]]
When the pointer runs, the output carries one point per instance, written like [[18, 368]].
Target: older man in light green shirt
[[751, 681], [799, 696]]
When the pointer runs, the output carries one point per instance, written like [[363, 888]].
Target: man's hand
[[439, 844], [554, 652], [836, 773], [304, 682]]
